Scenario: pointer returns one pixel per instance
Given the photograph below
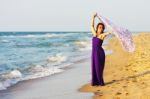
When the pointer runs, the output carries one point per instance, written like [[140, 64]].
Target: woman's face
[[100, 29]]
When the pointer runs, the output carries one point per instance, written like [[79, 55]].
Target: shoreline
[[125, 74], [57, 86], [61, 68], [121, 78], [28, 89]]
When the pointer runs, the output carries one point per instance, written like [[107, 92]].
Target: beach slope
[[126, 74]]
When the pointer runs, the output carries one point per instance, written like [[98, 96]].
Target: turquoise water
[[29, 55]]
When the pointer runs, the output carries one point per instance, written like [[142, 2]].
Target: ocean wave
[[9, 79], [15, 76], [35, 35], [39, 71], [31, 36], [40, 36], [83, 45], [34, 71], [57, 58], [40, 65], [4, 41]]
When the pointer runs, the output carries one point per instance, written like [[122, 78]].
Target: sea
[[31, 55]]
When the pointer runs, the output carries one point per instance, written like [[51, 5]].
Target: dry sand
[[127, 75]]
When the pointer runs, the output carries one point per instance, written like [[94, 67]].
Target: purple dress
[[97, 62]]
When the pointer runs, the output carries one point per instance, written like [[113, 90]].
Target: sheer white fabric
[[124, 35]]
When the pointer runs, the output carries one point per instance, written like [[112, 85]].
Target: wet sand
[[62, 85]]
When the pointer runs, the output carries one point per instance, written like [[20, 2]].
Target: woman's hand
[[94, 15]]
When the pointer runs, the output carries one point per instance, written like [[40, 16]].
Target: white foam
[[10, 78], [13, 74], [39, 36], [83, 45], [57, 58], [4, 41], [2, 87], [37, 71], [36, 36]]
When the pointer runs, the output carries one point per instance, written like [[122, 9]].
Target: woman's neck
[[98, 33]]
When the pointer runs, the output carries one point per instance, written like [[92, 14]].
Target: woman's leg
[[93, 71], [99, 64]]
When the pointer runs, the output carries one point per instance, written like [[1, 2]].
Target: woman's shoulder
[[104, 34], [101, 36]]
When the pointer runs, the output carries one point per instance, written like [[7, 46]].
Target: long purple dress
[[97, 62]]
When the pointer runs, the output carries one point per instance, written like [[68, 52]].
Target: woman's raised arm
[[92, 25], [106, 33]]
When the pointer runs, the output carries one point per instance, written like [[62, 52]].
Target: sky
[[72, 15]]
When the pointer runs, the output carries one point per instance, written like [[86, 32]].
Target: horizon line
[[61, 31]]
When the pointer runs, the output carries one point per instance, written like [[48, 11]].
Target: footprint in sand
[[113, 80], [124, 86], [99, 93], [126, 93], [142, 83], [118, 93], [127, 65], [127, 81], [134, 80], [127, 69], [114, 75], [108, 86], [117, 98], [135, 71]]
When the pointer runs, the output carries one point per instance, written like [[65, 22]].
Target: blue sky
[[72, 15]]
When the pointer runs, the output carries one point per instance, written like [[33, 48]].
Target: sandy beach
[[126, 74], [53, 49]]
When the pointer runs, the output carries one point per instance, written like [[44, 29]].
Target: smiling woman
[[99, 32], [98, 54]]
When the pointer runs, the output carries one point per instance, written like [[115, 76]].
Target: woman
[[98, 54]]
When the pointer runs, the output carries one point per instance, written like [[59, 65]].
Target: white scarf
[[124, 35]]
